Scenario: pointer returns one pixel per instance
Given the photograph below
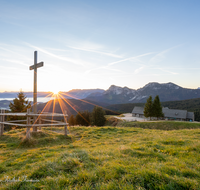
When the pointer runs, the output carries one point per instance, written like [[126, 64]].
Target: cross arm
[[41, 64]]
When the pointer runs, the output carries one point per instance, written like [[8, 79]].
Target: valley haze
[[120, 95]]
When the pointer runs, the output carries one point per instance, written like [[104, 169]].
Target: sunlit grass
[[102, 158]]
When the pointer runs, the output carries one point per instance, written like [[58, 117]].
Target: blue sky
[[88, 44]]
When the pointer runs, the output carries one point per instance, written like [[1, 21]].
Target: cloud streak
[[14, 61], [130, 58], [13, 52], [139, 69], [160, 56], [107, 67], [104, 67], [95, 51], [75, 61]]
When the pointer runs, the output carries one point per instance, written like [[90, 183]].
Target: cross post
[[35, 66]]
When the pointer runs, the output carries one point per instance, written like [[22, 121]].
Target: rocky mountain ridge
[[166, 91]]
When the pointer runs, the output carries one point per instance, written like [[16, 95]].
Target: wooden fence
[[32, 120]]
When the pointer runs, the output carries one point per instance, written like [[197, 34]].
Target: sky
[[87, 44]]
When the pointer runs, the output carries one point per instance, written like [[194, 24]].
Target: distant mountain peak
[[114, 89], [156, 85]]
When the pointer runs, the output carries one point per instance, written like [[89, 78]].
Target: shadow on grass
[[17, 139], [39, 139], [142, 154], [10, 141]]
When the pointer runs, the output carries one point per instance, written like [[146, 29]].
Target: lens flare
[[56, 92]]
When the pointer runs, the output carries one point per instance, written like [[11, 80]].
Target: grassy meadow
[[131, 156]]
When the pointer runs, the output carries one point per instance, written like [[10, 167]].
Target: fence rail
[[36, 119]]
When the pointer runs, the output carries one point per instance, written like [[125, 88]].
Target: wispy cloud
[[160, 56], [60, 50], [107, 67], [167, 71], [7, 68], [14, 61], [95, 51], [130, 58], [139, 70], [103, 67], [75, 61], [2, 46]]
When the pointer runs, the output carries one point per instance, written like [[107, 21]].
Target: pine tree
[[72, 120], [98, 117], [78, 118], [148, 109], [197, 115], [157, 108], [83, 118], [86, 116], [20, 104]]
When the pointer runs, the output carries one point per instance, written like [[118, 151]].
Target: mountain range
[[123, 95], [166, 91]]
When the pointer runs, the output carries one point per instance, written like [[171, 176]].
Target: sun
[[55, 92]]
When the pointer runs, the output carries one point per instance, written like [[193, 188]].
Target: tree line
[[85, 118]]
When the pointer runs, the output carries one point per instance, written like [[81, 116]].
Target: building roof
[[190, 115], [174, 113], [138, 110]]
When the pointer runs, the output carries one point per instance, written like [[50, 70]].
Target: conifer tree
[[20, 104], [98, 117], [83, 118], [72, 120], [157, 108], [78, 118], [148, 109]]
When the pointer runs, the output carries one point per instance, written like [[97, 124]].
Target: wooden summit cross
[[35, 66]]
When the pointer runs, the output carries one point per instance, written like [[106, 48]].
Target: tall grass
[[102, 158]]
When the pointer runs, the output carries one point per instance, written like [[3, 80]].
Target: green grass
[[128, 157], [161, 125]]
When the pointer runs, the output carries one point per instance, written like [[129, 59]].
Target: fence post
[[28, 122], [65, 130], [40, 121], [0, 123], [35, 119], [65, 119], [2, 120]]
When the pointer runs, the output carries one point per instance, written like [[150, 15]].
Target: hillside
[[101, 158], [72, 106], [4, 104], [190, 105]]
